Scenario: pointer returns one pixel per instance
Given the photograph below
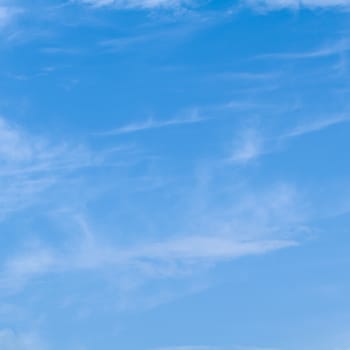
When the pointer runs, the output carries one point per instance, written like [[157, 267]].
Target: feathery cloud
[[250, 144], [157, 259], [31, 164], [201, 347], [247, 147], [297, 4], [317, 125], [256, 225], [138, 4], [10, 340], [8, 13], [151, 123], [328, 50]]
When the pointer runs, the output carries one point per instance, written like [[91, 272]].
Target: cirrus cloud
[[141, 4], [297, 4]]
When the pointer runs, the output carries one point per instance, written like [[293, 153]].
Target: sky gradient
[[174, 175]]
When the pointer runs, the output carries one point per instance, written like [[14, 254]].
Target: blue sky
[[174, 174]]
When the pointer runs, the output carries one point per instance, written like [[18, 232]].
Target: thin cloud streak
[[151, 123], [136, 4], [316, 126], [189, 347], [7, 15], [10, 340], [251, 144], [202, 347], [255, 225], [155, 257], [31, 165], [322, 52], [270, 5]]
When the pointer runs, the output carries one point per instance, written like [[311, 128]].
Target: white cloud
[[5, 15], [189, 347], [8, 13], [297, 4], [159, 259], [258, 4], [151, 123], [332, 49], [200, 347], [317, 125], [256, 225], [207, 248], [31, 164], [253, 224], [248, 146], [24, 153], [142, 4], [10, 340], [14, 145]]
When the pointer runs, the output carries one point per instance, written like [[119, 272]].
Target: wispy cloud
[[22, 152], [317, 125], [247, 147], [250, 144], [138, 4], [332, 49], [10, 340], [201, 347], [7, 14], [31, 164], [151, 123], [153, 35], [256, 225], [62, 50], [14, 145], [208, 248], [189, 347], [296, 4], [253, 224], [159, 259], [248, 76], [257, 4]]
